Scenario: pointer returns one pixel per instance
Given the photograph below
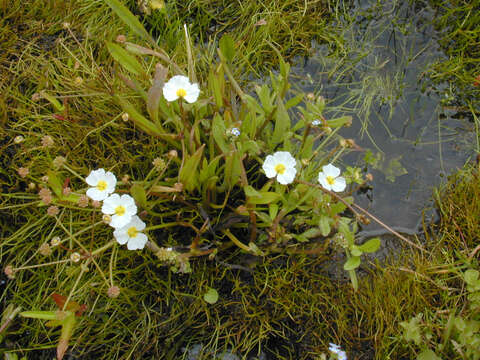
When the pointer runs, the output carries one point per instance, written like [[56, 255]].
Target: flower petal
[[121, 236], [110, 203], [339, 185], [119, 221], [269, 166], [322, 179], [95, 194], [137, 222], [285, 158], [331, 170], [193, 91], [287, 177], [138, 242], [111, 181], [94, 176]]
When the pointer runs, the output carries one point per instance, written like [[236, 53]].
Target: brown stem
[[331, 193]]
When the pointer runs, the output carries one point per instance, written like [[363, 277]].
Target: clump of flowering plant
[[249, 172]]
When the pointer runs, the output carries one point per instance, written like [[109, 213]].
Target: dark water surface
[[397, 112]]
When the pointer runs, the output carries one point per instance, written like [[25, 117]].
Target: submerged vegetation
[[245, 217]]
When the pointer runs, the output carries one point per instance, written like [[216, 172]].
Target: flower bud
[[113, 291], [18, 139], [9, 272], [47, 141], [75, 257], [55, 241], [23, 172], [158, 163], [83, 201], [45, 249], [78, 81], [125, 117], [53, 210], [172, 154], [121, 38], [58, 162], [106, 219]]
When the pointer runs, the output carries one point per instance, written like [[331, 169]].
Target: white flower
[[180, 87], [316, 122], [103, 184], [131, 234], [121, 208], [235, 132], [341, 355], [329, 178], [282, 165]]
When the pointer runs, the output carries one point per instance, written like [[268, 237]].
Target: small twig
[[390, 229], [233, 266], [331, 193]]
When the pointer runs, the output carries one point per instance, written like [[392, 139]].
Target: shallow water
[[397, 112]]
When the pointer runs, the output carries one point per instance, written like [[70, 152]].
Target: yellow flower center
[[132, 232], [330, 180], [102, 185], [181, 93], [120, 210], [280, 168]]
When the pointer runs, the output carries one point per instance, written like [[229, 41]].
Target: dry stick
[[390, 229], [331, 193]]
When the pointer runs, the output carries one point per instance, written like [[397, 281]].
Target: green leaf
[[412, 329], [56, 104], [44, 315], [141, 121], [233, 168], [265, 198], [273, 210], [227, 47], [211, 296], [250, 191], [68, 325], [341, 121], [428, 354], [471, 276], [251, 147], [255, 249], [324, 225], [282, 123], [189, 172], [55, 183], [310, 233], [352, 263], [129, 19], [294, 101], [139, 194], [265, 97], [307, 149], [355, 251], [216, 83], [218, 132], [371, 245], [128, 61]]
